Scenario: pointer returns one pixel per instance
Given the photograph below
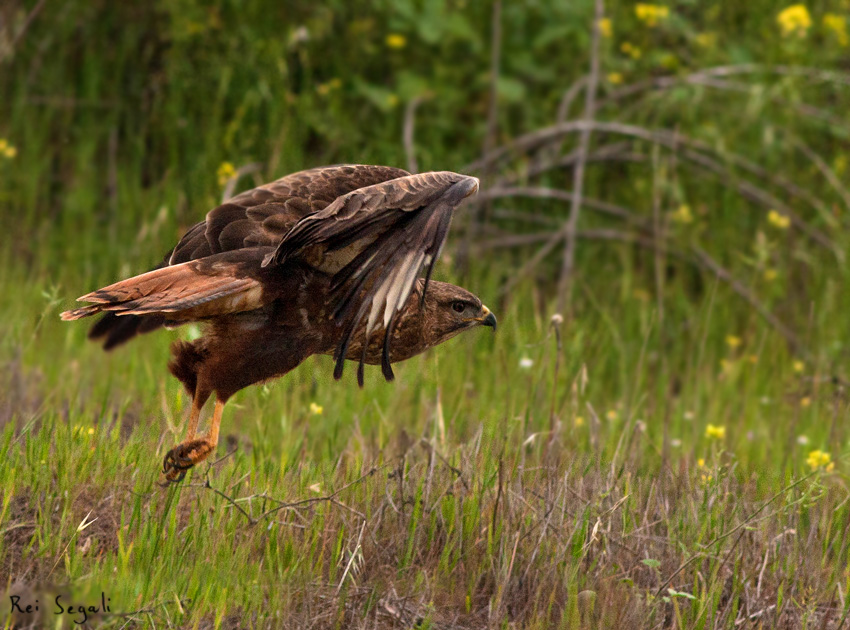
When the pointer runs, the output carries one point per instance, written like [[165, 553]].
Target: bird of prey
[[324, 261]]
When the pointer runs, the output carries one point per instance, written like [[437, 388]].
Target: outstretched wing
[[262, 216], [376, 241], [259, 217]]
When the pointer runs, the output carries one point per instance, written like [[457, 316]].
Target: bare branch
[[712, 265], [670, 140], [564, 286], [492, 129], [230, 187], [540, 192], [409, 127], [825, 170]]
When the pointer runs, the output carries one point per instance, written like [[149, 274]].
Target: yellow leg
[[193, 450], [194, 416], [215, 423]]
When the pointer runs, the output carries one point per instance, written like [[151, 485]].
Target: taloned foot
[[183, 456]]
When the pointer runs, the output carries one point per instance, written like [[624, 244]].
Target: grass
[[517, 480], [444, 497]]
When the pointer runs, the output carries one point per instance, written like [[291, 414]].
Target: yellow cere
[[794, 21]]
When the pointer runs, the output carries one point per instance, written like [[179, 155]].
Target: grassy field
[[674, 455]]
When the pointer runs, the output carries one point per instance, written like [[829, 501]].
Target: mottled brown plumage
[[325, 261]]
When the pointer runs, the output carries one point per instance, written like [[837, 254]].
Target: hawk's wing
[[376, 241], [259, 217], [262, 216]]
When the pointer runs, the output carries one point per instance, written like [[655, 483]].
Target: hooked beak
[[487, 318]]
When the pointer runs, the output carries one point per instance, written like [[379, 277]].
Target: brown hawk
[[324, 261]]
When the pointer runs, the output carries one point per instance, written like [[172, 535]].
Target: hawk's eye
[[458, 307]]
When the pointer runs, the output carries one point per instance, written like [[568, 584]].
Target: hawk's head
[[450, 310]]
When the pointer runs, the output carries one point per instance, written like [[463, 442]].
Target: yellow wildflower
[[701, 462], [820, 459], [794, 20], [838, 25], [615, 78], [611, 415], [651, 14], [605, 27], [396, 40], [706, 40], [799, 366], [778, 220], [713, 432], [683, 215], [225, 172], [6, 149], [91, 431], [631, 50], [316, 410], [753, 359], [732, 341], [579, 421], [805, 401], [706, 478], [770, 274]]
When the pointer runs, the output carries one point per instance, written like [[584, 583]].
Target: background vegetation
[[674, 454]]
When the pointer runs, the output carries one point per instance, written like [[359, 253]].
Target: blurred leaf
[[511, 90]]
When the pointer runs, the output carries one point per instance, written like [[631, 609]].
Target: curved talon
[[175, 465], [183, 457]]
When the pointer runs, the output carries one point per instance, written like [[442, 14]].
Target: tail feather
[[193, 290], [117, 329], [79, 313]]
